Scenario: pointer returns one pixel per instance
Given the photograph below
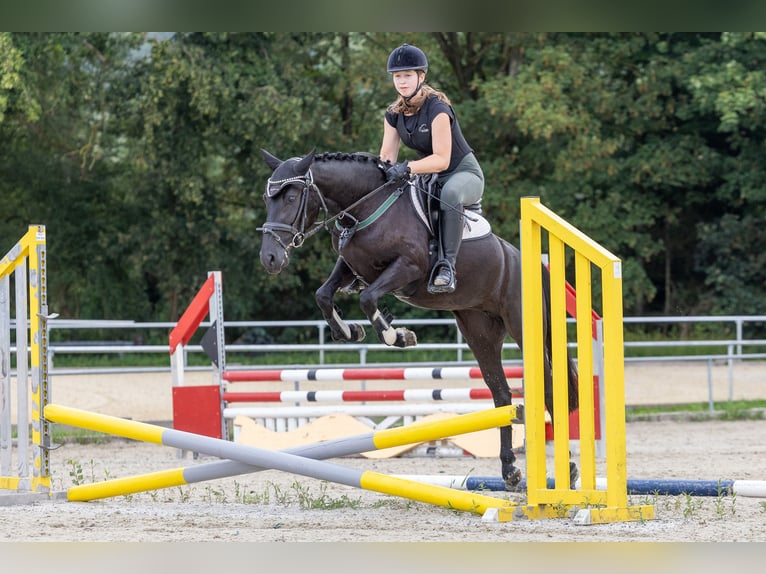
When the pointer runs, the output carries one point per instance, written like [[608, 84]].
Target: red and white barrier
[[420, 395], [206, 409], [366, 374]]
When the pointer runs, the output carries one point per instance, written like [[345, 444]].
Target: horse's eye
[[291, 196]]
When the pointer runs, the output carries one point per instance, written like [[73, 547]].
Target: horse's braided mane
[[342, 156]]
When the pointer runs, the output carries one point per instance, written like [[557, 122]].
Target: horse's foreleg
[[340, 330], [392, 278]]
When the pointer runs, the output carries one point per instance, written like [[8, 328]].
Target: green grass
[[162, 360], [725, 410], [63, 434]]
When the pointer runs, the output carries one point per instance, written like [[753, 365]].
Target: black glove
[[398, 171]]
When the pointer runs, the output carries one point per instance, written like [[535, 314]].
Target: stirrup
[[449, 287]]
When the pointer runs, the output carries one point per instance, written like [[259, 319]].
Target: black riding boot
[[444, 279]]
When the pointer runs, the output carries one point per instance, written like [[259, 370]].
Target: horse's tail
[[574, 397]]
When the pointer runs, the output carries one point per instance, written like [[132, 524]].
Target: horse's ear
[[271, 161], [303, 165]]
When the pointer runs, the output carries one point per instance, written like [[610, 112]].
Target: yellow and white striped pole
[[302, 460]]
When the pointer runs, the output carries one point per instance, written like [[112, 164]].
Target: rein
[[346, 233]]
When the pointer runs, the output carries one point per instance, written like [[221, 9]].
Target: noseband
[[298, 227]]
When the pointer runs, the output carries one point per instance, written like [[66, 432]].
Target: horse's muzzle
[[273, 261]]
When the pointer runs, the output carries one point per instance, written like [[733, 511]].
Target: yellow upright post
[[587, 503], [28, 256]]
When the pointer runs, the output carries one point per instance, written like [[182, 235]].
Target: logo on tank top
[[423, 128]]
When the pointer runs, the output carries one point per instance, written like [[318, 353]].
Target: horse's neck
[[344, 190]]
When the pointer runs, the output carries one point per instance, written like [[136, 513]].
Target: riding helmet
[[407, 57]]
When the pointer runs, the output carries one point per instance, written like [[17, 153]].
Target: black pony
[[383, 247]]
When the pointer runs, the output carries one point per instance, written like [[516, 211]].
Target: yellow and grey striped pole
[[300, 460]]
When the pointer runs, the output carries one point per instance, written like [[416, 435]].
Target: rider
[[423, 119]]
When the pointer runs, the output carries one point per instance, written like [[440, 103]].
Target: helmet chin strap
[[415, 93]]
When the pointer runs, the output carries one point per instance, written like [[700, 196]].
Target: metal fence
[[738, 347], [657, 346]]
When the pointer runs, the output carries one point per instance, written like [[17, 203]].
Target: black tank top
[[415, 131]]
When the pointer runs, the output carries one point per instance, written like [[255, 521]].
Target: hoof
[[357, 333], [405, 338], [574, 474], [512, 479]]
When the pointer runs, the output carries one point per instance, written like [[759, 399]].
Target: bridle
[[298, 227]]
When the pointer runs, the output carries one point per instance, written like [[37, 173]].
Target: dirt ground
[[273, 506]]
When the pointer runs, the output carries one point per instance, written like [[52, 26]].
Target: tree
[[57, 157], [141, 153]]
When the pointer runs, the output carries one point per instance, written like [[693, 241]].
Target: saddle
[[425, 191]]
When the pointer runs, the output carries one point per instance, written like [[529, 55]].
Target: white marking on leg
[[389, 333], [342, 324]]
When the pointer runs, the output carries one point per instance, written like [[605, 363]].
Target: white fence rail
[[739, 347], [743, 346]]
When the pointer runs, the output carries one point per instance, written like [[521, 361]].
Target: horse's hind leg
[[339, 329], [485, 335]]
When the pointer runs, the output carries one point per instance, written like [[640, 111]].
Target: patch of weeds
[[62, 434], [740, 413], [75, 472], [184, 494], [394, 503], [280, 497], [699, 418], [217, 495], [733, 503], [251, 498], [246, 497], [92, 464], [641, 518], [691, 505], [561, 509], [720, 503], [648, 499], [323, 501], [763, 506]]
